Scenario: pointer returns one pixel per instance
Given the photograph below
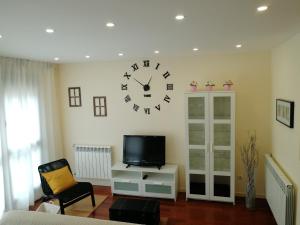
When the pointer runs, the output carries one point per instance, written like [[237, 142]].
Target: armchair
[[70, 195]]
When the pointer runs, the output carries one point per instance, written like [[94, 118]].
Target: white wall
[[251, 76], [285, 85]]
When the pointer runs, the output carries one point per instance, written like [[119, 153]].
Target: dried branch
[[250, 158]]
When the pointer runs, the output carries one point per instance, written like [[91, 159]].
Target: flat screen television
[[144, 150]]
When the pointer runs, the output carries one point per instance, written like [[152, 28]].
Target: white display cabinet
[[210, 145], [145, 181]]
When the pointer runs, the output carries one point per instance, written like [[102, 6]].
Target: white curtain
[[26, 128], [2, 201]]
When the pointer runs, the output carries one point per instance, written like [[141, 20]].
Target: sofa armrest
[[41, 218]]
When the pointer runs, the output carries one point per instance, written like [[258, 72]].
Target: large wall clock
[[147, 87]]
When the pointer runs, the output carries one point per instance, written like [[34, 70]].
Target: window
[[25, 91], [23, 142]]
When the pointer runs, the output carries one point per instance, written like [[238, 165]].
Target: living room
[[81, 59]]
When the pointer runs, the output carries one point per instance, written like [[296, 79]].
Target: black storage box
[[140, 211]]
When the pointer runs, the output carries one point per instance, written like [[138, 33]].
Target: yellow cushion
[[60, 179]]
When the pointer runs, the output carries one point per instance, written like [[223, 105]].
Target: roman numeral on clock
[[127, 98], [135, 67], [147, 95], [135, 107], [124, 87], [170, 87], [127, 75], [167, 99], [146, 63], [166, 74], [147, 110], [158, 107], [157, 66]]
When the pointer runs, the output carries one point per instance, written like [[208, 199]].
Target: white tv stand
[[145, 181]]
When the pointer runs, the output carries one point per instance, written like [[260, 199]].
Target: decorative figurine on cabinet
[[209, 86], [227, 85], [193, 86]]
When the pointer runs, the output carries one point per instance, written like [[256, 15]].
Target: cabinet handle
[[126, 180], [158, 183]]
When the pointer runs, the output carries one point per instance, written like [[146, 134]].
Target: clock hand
[[146, 87], [149, 80], [138, 82]]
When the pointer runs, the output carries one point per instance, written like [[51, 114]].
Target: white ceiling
[[142, 26]]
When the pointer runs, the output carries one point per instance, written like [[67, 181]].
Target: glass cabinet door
[[221, 146], [196, 107], [197, 159], [197, 129], [222, 107]]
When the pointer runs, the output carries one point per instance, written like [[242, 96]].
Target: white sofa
[[41, 218]]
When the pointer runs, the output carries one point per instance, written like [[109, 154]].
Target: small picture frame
[[99, 103], [74, 96], [285, 112]]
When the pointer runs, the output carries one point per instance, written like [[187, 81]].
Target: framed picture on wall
[[74, 96], [285, 112], [100, 106]]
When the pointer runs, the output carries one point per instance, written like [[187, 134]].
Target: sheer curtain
[[26, 135], [2, 202]]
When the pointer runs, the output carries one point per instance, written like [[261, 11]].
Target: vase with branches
[[250, 158]]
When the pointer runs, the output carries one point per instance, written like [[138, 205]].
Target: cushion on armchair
[[59, 179]]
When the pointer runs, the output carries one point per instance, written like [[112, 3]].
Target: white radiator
[[279, 193], [92, 162]]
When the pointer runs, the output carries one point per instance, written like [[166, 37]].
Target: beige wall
[[285, 85], [251, 76]]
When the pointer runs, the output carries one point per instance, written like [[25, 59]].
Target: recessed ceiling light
[[120, 54], [49, 30], [110, 24], [56, 58], [179, 17], [156, 51], [195, 49], [262, 8], [238, 46], [87, 56], [0, 36]]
